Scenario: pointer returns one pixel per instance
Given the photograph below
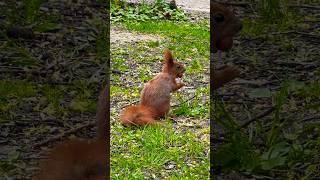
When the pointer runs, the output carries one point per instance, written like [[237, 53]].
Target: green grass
[[184, 36], [124, 92], [284, 145], [11, 94], [275, 16], [196, 107], [52, 99], [146, 151]]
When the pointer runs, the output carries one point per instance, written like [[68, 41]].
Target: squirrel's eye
[[178, 67], [218, 17]]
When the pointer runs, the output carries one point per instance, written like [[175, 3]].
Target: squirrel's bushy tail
[[137, 115]]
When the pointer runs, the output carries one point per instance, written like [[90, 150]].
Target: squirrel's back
[[156, 93]]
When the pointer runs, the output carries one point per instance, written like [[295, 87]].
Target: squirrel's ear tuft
[[168, 57]]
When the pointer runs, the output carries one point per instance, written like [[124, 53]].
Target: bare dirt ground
[[120, 37]]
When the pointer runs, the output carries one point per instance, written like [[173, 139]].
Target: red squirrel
[[225, 25], [155, 96], [81, 159]]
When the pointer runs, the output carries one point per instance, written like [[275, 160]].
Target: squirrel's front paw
[[180, 85]]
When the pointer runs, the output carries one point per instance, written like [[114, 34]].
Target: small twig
[[33, 72], [184, 101], [271, 34], [115, 71], [263, 114], [308, 35], [134, 102], [260, 176], [59, 136], [253, 83], [217, 140], [310, 119], [314, 36], [305, 6]]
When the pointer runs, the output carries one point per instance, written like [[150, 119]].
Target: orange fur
[[76, 160], [155, 96], [138, 115], [81, 159]]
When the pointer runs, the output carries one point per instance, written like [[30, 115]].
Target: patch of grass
[[195, 106], [148, 151], [284, 145], [53, 97], [144, 74], [273, 10], [9, 166], [32, 9], [82, 101], [153, 44], [188, 41], [11, 94], [116, 91], [102, 39], [275, 16], [55, 103], [195, 67], [18, 54], [83, 105], [184, 36], [40, 130], [119, 64], [16, 89]]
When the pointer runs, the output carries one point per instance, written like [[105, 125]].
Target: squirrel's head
[[172, 67], [225, 26]]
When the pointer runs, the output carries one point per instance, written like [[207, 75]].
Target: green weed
[[32, 9], [9, 165], [12, 92], [121, 11], [275, 16], [53, 96], [273, 10]]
